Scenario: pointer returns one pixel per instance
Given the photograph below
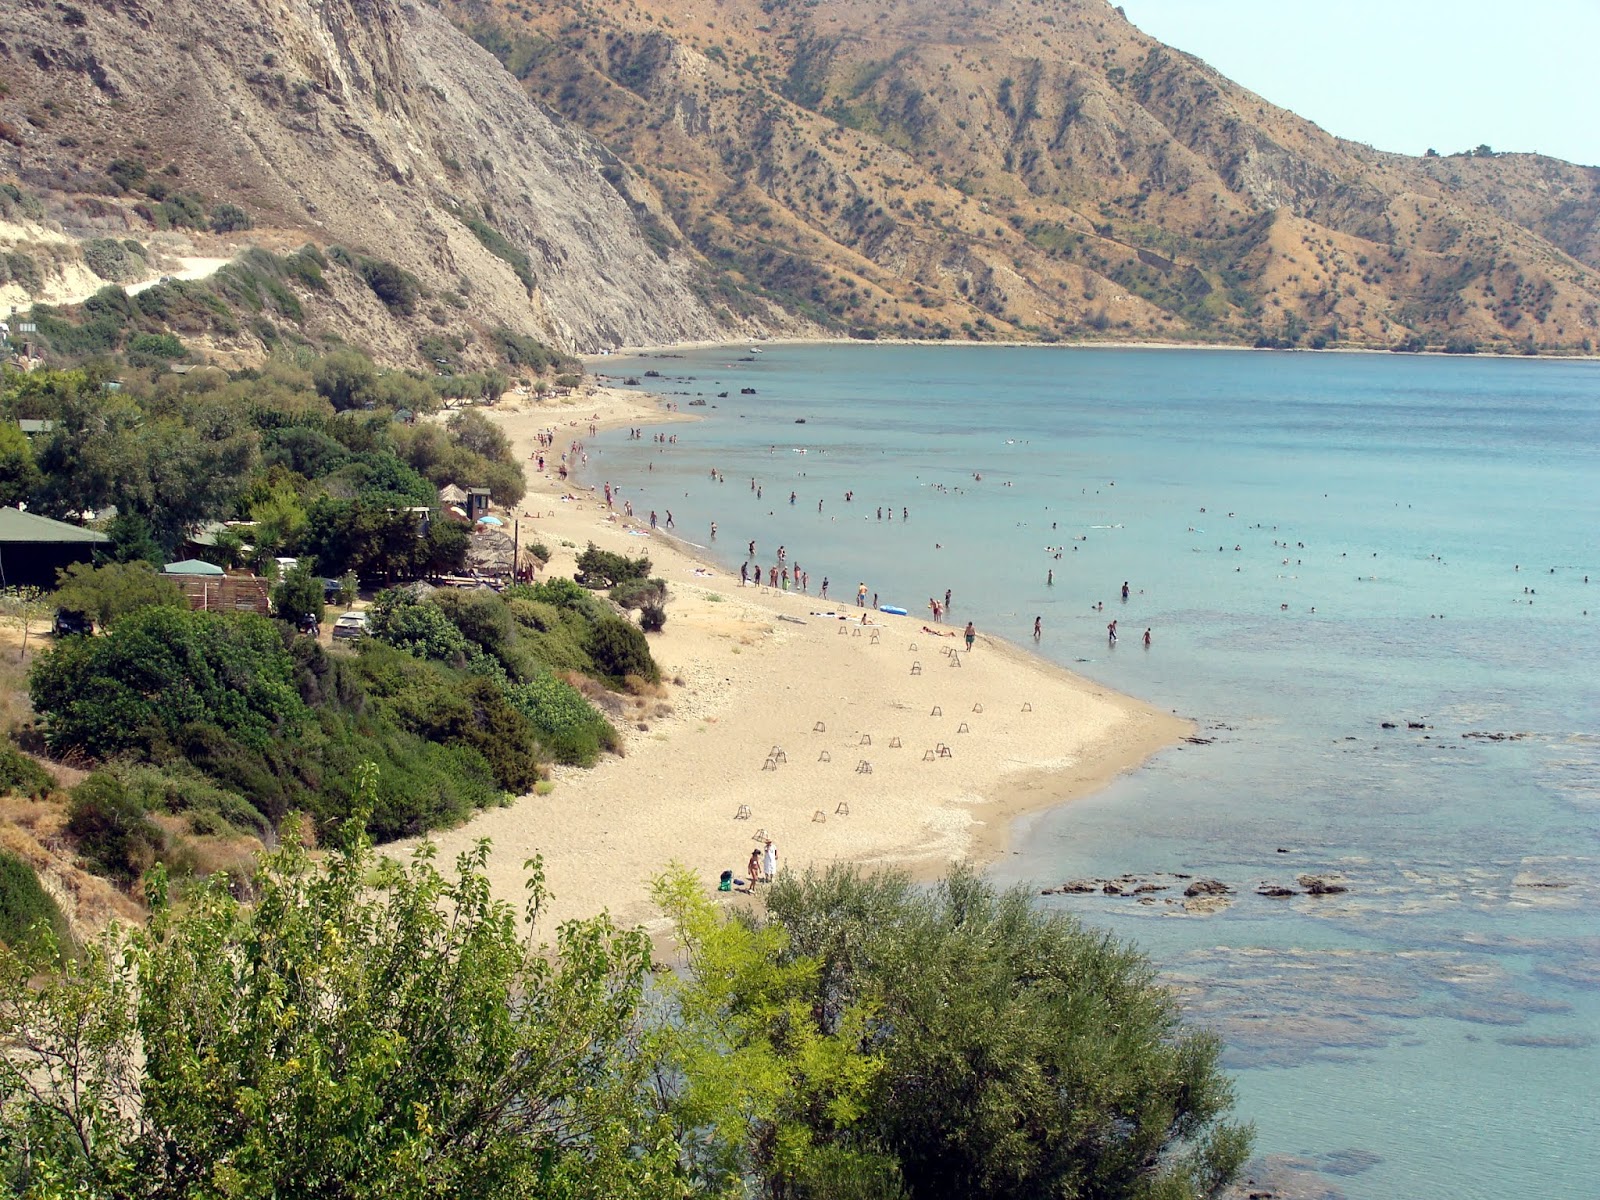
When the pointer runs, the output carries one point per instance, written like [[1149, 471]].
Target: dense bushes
[[1020, 1054], [26, 908], [106, 594], [19, 774], [111, 827], [620, 650], [163, 669], [215, 714]]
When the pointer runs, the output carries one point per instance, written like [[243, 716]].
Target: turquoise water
[[1318, 544]]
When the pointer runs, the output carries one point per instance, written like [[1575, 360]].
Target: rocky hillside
[[187, 128], [645, 171], [1011, 167]]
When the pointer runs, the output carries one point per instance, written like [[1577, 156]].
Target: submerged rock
[[1315, 885], [1276, 891]]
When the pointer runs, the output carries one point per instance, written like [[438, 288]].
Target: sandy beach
[[873, 743]]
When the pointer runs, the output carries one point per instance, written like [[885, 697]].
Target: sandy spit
[[838, 740]]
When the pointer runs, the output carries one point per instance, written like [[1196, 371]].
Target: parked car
[[68, 622], [351, 625]]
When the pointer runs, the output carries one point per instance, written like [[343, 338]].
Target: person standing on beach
[[861, 595], [652, 518], [753, 868], [1038, 628], [744, 574], [824, 587], [947, 599], [769, 861], [971, 635]]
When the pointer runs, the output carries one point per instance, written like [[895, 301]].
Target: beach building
[[208, 587], [34, 548]]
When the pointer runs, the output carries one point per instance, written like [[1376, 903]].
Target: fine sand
[[841, 741]]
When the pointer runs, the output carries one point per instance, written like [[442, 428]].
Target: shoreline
[[952, 760], [674, 349]]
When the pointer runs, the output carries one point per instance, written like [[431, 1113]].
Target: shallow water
[[1318, 544]]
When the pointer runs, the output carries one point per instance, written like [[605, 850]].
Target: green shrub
[[111, 828], [149, 349], [496, 244], [24, 271], [640, 593], [569, 728], [109, 592], [179, 788], [21, 775], [619, 649], [161, 669], [652, 618], [108, 258], [397, 288], [26, 909], [417, 627], [603, 568], [229, 218]]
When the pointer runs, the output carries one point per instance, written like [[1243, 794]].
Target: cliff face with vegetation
[[1010, 166], [687, 170], [371, 124]]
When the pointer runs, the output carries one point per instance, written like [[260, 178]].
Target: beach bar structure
[[207, 587], [34, 548]]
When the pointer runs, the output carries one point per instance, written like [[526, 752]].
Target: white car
[[351, 625]]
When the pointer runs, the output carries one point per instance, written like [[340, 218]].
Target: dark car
[[68, 623]]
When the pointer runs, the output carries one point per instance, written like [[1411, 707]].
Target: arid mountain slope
[[927, 167], [373, 124]]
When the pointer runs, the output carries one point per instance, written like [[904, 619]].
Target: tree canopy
[[371, 1028]]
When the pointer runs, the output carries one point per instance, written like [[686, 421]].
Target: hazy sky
[[1405, 75]]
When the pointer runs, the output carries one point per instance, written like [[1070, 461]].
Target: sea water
[[1318, 544]]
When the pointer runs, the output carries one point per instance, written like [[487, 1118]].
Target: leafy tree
[[19, 475], [346, 379], [604, 568], [474, 432], [110, 592], [445, 548], [299, 596], [133, 541], [749, 1058], [366, 1030], [1023, 1055], [161, 669]]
